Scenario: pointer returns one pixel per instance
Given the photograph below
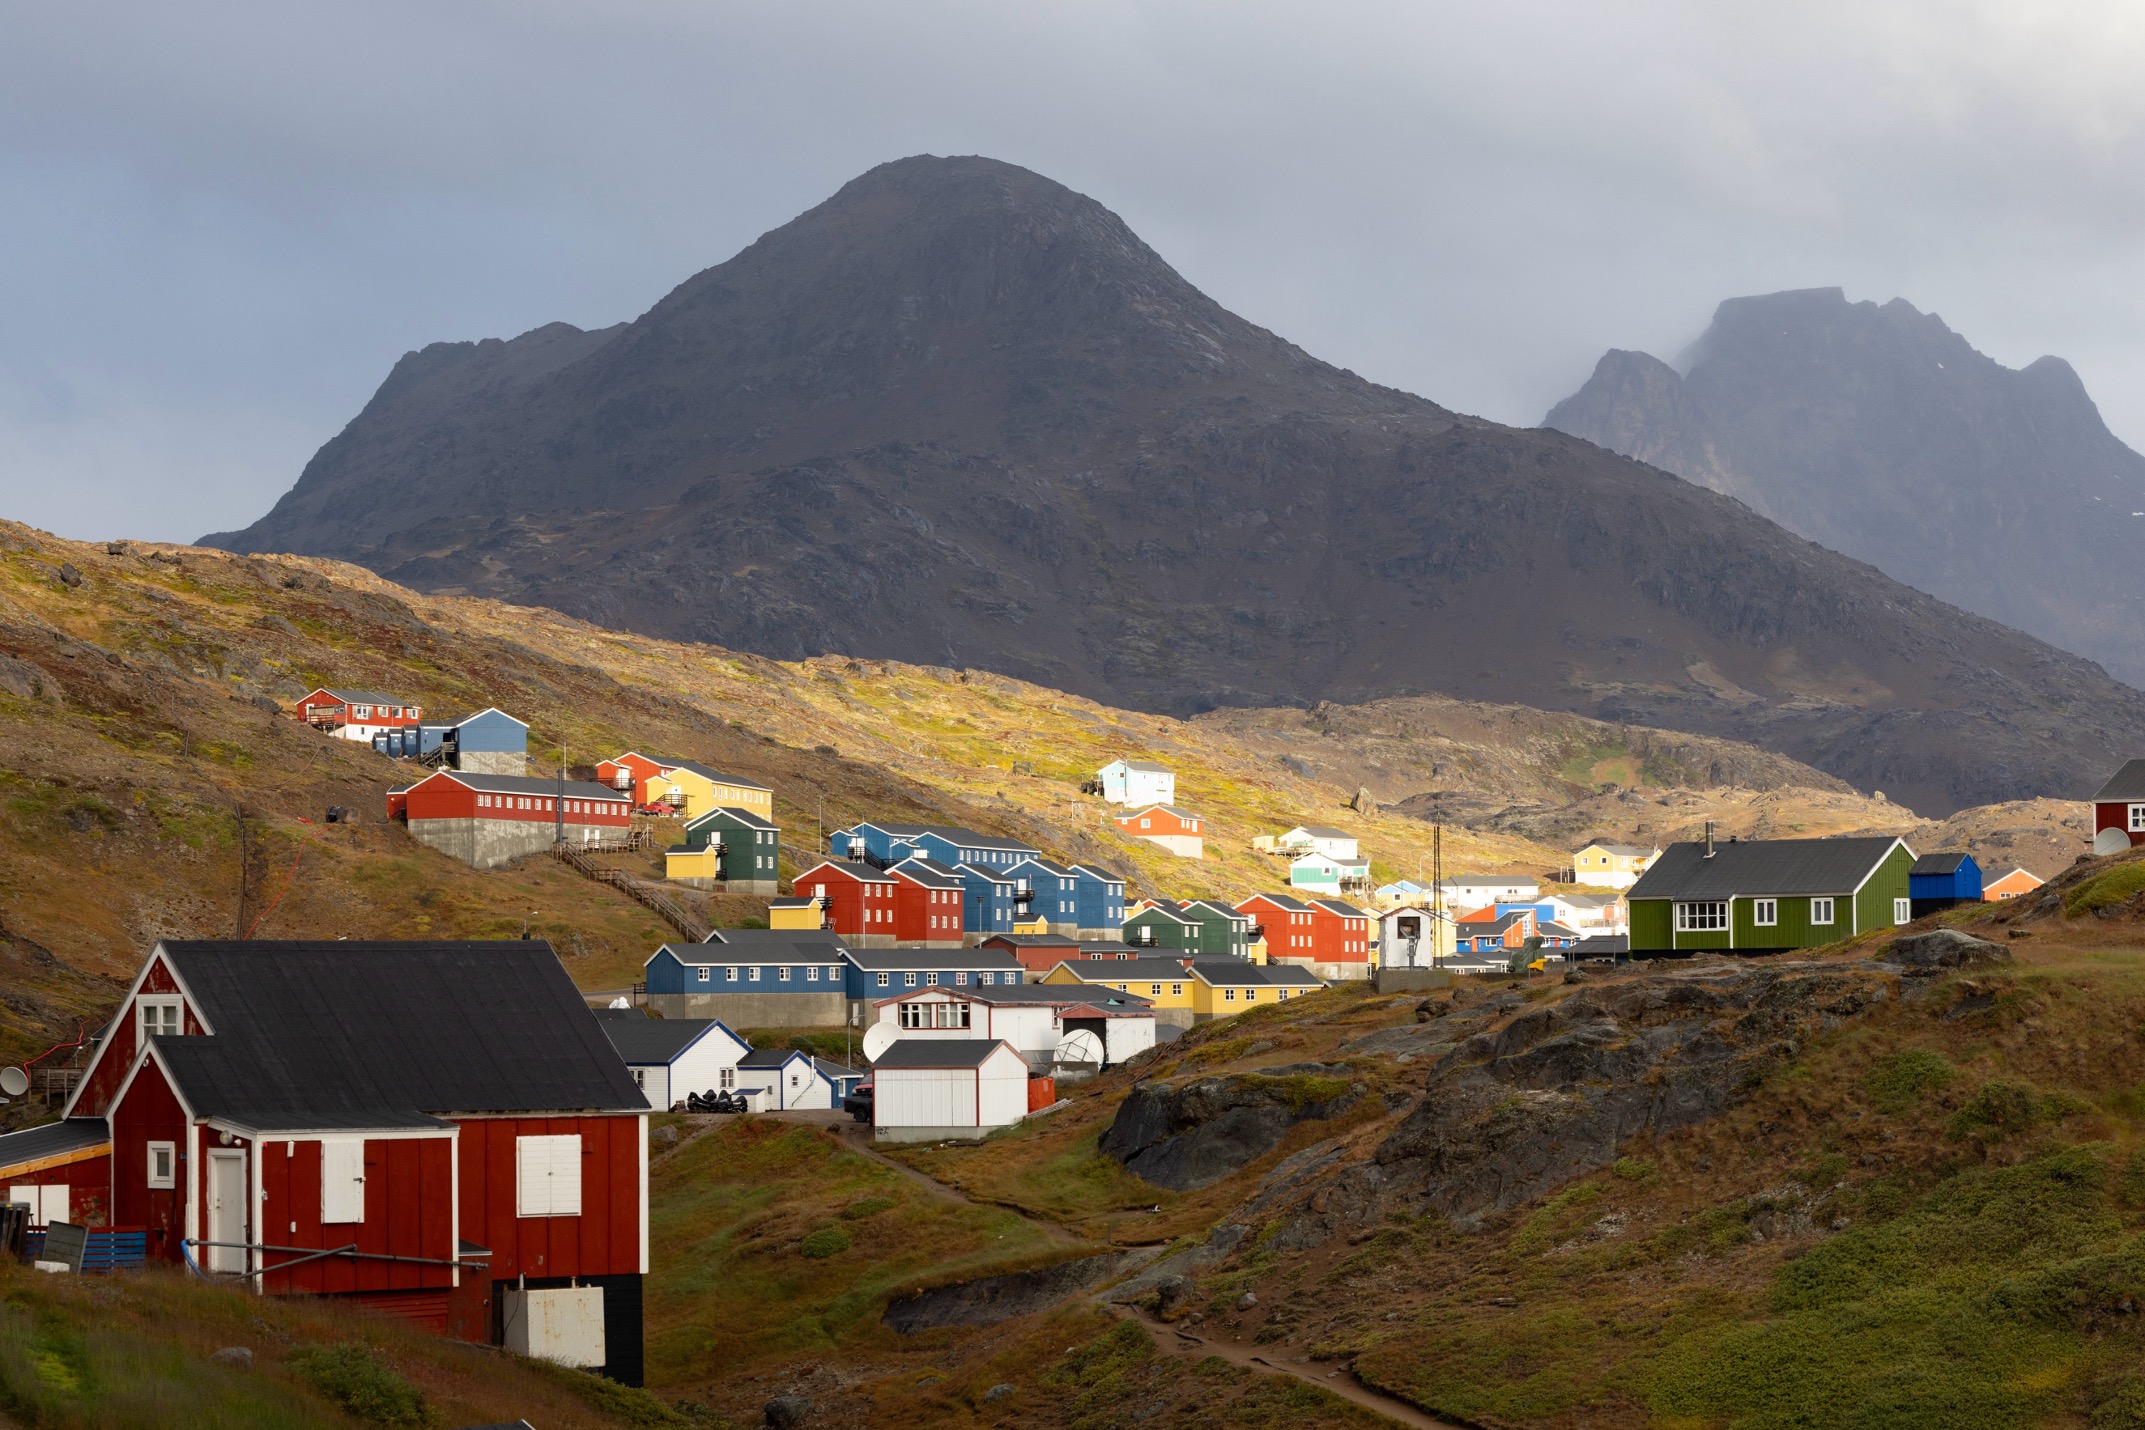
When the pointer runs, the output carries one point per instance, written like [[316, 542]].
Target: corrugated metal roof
[[1763, 866], [386, 1034], [2126, 783], [939, 1053]]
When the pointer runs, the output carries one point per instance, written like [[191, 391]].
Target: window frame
[[557, 1198], [169, 1179], [160, 1002], [1765, 913], [1831, 911], [1902, 912], [1687, 916]]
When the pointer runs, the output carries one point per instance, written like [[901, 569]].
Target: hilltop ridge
[[958, 414]]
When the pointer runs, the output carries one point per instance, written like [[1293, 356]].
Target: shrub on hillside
[[827, 1241], [1900, 1081], [351, 1376]]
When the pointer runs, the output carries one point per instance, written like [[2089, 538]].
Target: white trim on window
[[1765, 913], [547, 1175], [1902, 910], [1704, 916], [156, 1013], [163, 1162], [1821, 913]]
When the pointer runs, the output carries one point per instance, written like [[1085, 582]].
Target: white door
[[227, 1211]]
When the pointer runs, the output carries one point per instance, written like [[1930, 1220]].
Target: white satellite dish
[[2110, 841], [877, 1039], [1080, 1048], [14, 1081]]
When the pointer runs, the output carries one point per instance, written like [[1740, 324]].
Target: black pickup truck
[[858, 1103]]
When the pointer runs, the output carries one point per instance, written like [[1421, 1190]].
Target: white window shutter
[[342, 1179], [547, 1180]]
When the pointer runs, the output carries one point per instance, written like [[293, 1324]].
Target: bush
[[870, 1206], [354, 1378], [2106, 890], [1903, 1079], [827, 1241], [2001, 1109]]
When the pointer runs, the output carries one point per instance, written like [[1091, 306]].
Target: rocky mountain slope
[[1879, 432], [960, 415]]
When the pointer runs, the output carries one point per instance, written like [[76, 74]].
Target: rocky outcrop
[[1924, 955], [1188, 1135], [1513, 1112], [989, 1300]]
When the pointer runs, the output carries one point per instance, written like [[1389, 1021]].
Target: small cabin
[[1179, 831], [1136, 782], [935, 1089], [1942, 880], [2119, 810]]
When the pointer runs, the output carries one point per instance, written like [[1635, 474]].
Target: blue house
[[1047, 891], [490, 742], [876, 973], [752, 978], [1941, 881], [884, 845], [1098, 902], [989, 907]]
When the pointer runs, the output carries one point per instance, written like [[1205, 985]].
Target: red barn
[[488, 820], [927, 904], [438, 1130], [859, 900], [2119, 810]]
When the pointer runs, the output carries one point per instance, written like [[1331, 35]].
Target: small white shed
[[787, 1080], [670, 1057], [926, 1089], [1035, 1018]]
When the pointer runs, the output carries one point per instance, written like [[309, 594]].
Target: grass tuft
[[352, 1377]]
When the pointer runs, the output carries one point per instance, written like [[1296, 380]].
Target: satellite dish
[[14, 1081], [2110, 841], [1080, 1047], [877, 1039]]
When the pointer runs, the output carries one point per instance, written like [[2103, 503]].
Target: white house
[[1415, 936], [786, 1081], [1590, 914], [1465, 895], [1038, 1019], [1316, 839], [1324, 874], [1137, 782], [1400, 891], [670, 1057], [928, 1089]]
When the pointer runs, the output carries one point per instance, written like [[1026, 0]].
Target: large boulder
[[1924, 955], [1189, 1135]]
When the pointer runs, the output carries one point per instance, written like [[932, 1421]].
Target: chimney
[[1709, 839]]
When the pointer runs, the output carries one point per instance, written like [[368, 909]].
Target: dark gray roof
[[1129, 970], [54, 1139], [760, 946], [1024, 994], [996, 876], [955, 834], [1943, 862], [2126, 783], [852, 868], [770, 1057], [1034, 940], [660, 1040], [1237, 972], [937, 1053], [388, 1034], [1335, 906], [367, 697], [1108, 876], [1601, 946], [530, 784], [929, 873], [1149, 766], [740, 816], [1167, 907], [1282, 901], [1762, 866], [830, 1069], [1047, 866], [899, 960], [1323, 831]]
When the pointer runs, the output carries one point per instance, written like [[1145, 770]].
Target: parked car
[[858, 1103]]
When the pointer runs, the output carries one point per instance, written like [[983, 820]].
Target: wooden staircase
[[640, 891]]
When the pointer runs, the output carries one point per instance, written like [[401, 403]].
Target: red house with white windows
[[2119, 810], [488, 820], [858, 899], [356, 714], [927, 904], [440, 1131], [1330, 938]]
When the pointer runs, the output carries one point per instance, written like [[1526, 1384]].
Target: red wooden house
[[1283, 923], [487, 820], [927, 904], [356, 714], [859, 900], [438, 1130], [1330, 938], [2119, 810]]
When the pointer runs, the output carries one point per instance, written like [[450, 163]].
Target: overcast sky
[[221, 223]]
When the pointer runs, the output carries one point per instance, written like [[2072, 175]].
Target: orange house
[[2010, 886], [1181, 833]]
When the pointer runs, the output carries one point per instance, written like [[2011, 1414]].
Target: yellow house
[[1161, 981], [1256, 951], [1036, 924], [793, 914], [1223, 987], [1611, 866], [703, 789]]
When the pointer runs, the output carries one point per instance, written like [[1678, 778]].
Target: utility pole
[[1437, 878], [558, 805]]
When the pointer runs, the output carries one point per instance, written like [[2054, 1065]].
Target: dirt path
[[1341, 1381]]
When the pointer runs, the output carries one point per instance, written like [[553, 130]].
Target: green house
[[1201, 928], [1768, 895], [728, 848]]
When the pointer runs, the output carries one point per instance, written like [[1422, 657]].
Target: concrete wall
[[756, 1010], [489, 843], [770, 887], [1412, 980], [492, 762]]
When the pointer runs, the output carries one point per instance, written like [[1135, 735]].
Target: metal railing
[[639, 890]]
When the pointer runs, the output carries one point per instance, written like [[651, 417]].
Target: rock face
[[1924, 955], [1879, 432], [1188, 1135], [959, 414], [1512, 1113], [989, 1300]]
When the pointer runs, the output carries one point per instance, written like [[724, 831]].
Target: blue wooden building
[[1047, 891], [876, 973], [1941, 881], [753, 978], [885, 845], [989, 907], [1098, 902]]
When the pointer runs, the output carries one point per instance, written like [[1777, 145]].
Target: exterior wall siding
[[603, 1240], [1873, 905], [409, 1211], [149, 1113]]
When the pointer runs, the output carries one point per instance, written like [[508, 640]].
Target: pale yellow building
[[1611, 866]]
